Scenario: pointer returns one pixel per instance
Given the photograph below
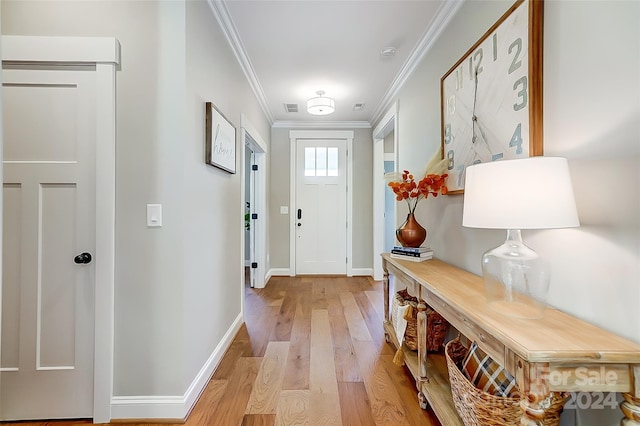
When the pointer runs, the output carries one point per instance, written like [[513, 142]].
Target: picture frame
[[220, 140], [491, 98]]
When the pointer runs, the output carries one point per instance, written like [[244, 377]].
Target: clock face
[[486, 99]]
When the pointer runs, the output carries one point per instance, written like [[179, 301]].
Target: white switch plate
[[284, 209], [154, 215]]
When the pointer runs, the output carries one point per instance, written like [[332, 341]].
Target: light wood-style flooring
[[312, 352]]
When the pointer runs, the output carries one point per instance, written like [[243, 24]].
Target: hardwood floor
[[312, 352]]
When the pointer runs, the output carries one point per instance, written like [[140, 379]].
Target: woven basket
[[437, 326], [478, 408]]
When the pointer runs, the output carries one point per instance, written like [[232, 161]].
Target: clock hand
[[486, 153], [474, 118]]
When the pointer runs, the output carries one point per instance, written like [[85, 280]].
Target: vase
[[411, 233]]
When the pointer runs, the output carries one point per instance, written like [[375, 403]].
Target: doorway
[[385, 159], [321, 173], [254, 205]]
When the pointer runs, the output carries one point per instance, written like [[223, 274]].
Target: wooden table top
[[557, 337]]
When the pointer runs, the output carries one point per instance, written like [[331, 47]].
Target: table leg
[[538, 399], [631, 409], [422, 339], [385, 292]]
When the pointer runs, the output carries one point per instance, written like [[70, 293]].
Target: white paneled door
[[320, 212], [49, 239]]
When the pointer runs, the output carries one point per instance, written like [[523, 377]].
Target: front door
[[48, 239], [320, 214]]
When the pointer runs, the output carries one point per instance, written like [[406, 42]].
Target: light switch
[[284, 209], [154, 215]]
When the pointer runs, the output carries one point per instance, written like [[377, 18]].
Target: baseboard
[[277, 272], [357, 272], [174, 408], [285, 272]]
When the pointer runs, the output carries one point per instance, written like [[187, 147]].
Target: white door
[[49, 220], [320, 214]]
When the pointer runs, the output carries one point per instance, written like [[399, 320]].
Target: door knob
[[82, 258]]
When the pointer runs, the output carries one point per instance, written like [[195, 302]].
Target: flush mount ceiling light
[[321, 105]]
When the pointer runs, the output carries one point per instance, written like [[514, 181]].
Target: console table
[[555, 353]]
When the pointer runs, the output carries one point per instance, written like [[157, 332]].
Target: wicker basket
[[478, 408], [437, 326]]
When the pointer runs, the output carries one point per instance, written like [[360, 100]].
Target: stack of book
[[414, 254]]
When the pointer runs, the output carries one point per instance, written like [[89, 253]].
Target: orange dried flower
[[407, 189]]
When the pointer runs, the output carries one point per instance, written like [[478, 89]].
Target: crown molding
[[322, 125], [447, 11], [221, 14]]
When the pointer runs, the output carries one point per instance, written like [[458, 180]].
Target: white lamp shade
[[321, 105], [530, 193]]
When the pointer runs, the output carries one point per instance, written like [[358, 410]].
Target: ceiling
[[291, 49]]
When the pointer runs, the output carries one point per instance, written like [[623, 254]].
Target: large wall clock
[[491, 99]]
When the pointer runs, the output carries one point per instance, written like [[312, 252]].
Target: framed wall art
[[491, 99], [220, 140]]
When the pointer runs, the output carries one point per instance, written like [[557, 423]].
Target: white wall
[[591, 117], [362, 198], [214, 216]]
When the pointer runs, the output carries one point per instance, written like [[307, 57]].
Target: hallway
[[312, 352]]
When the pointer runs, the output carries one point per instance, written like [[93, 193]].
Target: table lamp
[[530, 193]]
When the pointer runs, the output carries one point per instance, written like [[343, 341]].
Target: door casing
[[387, 125], [104, 54], [251, 138]]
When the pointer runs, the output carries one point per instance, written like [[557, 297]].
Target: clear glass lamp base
[[516, 279]]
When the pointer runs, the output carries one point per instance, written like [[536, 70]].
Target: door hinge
[[254, 167], [346, 260], [254, 215], [254, 265]]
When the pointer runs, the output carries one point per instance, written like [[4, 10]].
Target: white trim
[[259, 148], [294, 135], [91, 50], [175, 407], [246, 123], [362, 272], [320, 134], [169, 407], [322, 124], [350, 206], [278, 272], [221, 13], [105, 241], [293, 152], [447, 11], [386, 125], [104, 52], [1, 214]]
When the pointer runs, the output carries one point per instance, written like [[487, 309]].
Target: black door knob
[[82, 258]]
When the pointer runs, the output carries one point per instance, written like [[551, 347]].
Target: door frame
[[104, 54], [294, 136], [387, 124], [250, 136]]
